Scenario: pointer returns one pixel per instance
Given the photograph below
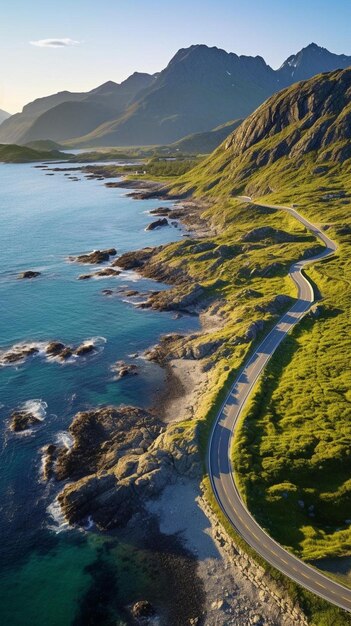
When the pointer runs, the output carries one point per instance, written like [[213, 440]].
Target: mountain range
[[200, 89]]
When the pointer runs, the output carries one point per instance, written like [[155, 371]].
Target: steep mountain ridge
[[306, 124]]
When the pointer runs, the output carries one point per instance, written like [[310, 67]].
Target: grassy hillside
[[43, 145], [292, 451], [244, 273], [22, 154]]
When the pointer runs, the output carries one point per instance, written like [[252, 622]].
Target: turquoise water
[[47, 576]]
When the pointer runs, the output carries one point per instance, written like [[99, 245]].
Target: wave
[[131, 275], [58, 523], [36, 408], [65, 439], [19, 353]]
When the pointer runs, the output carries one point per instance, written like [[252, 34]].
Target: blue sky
[[109, 39]]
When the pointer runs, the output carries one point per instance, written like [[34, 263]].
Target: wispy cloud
[[55, 43]]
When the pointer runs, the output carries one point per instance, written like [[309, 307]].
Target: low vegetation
[[23, 154], [292, 451]]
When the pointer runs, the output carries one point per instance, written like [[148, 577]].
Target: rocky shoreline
[[124, 457]]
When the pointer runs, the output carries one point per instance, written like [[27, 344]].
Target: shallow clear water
[[45, 576]]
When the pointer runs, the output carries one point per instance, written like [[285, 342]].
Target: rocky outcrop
[[18, 354], [183, 299], [48, 460], [57, 350], [62, 352], [163, 221], [276, 305], [136, 259], [29, 274], [23, 420], [142, 611], [84, 349], [254, 330], [317, 113], [120, 457], [162, 211], [96, 257], [122, 369], [264, 233]]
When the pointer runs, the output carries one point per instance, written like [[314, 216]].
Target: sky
[[53, 45]]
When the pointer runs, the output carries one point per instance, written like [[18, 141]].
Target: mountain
[[310, 61], [206, 142], [200, 89], [66, 114], [4, 115], [303, 133]]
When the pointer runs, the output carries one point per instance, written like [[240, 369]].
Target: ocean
[[50, 574]]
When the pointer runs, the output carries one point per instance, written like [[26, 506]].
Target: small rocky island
[[96, 257], [28, 274], [23, 420]]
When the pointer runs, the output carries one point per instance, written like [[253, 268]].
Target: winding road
[[220, 445]]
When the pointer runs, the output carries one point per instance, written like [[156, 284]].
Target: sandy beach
[[231, 599]]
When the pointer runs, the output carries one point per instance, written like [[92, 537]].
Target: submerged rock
[[123, 369], [29, 274]]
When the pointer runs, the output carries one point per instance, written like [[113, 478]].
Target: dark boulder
[[96, 256], [55, 348], [163, 221], [29, 274], [85, 348], [23, 420]]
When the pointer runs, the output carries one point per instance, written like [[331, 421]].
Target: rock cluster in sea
[[120, 457], [56, 350]]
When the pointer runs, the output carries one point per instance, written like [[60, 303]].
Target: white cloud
[[55, 43]]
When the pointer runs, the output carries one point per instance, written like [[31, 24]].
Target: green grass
[[22, 154], [293, 447]]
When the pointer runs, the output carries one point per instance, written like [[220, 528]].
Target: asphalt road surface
[[220, 445]]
